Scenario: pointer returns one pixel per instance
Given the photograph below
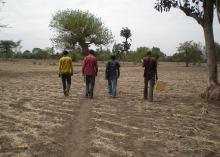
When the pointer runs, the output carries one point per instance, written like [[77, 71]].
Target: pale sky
[[29, 21]]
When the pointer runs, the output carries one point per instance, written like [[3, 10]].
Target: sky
[[29, 20]]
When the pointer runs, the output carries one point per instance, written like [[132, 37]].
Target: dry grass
[[37, 120]]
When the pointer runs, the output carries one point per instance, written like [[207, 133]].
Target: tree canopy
[[76, 26], [8, 45], [126, 33]]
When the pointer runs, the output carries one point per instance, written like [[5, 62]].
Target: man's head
[[113, 57], [65, 52], [92, 52], [149, 53]]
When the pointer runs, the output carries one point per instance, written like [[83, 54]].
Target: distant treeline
[[189, 52]]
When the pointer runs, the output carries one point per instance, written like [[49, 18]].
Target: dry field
[[36, 120]]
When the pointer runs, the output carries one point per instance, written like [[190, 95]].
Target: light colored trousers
[[149, 88], [112, 86]]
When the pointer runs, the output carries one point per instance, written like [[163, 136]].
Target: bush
[[76, 55]]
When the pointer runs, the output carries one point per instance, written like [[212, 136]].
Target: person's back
[[112, 69], [90, 65], [150, 65], [112, 73], [65, 65]]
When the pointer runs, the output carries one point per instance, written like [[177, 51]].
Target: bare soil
[[36, 120]]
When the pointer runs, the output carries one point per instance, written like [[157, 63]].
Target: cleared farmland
[[37, 120]]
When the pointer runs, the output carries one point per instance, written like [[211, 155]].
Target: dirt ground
[[36, 120]]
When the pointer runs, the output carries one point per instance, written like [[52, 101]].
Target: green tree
[[178, 57], [8, 47], [126, 33], [157, 53], [26, 54], [75, 26], [196, 53], [103, 55], [189, 51], [42, 54], [118, 50], [203, 12], [137, 55], [142, 52], [185, 48], [76, 55]]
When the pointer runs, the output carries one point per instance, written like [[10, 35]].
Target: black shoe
[[65, 93], [91, 96]]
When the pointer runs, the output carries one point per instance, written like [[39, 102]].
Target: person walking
[[65, 72], [150, 75], [90, 71], [112, 73]]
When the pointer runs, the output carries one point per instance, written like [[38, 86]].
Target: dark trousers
[[90, 83], [149, 88], [66, 80]]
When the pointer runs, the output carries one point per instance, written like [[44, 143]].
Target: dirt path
[[81, 131], [79, 142]]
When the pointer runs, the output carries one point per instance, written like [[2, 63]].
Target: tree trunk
[[218, 9], [85, 47], [209, 41], [213, 90]]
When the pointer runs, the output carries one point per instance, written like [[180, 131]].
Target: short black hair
[[149, 53], [92, 52], [65, 52], [113, 57]]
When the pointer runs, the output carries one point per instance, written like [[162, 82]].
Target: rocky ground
[[36, 120]]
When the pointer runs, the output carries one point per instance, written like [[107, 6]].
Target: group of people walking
[[112, 73]]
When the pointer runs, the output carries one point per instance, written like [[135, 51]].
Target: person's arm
[[107, 71], [96, 67], [156, 70], [143, 62], [59, 71], [118, 70], [71, 66], [83, 66]]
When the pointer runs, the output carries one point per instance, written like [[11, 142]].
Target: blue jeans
[[112, 86], [148, 89], [90, 83]]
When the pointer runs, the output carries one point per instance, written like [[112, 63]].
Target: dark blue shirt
[[112, 69]]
